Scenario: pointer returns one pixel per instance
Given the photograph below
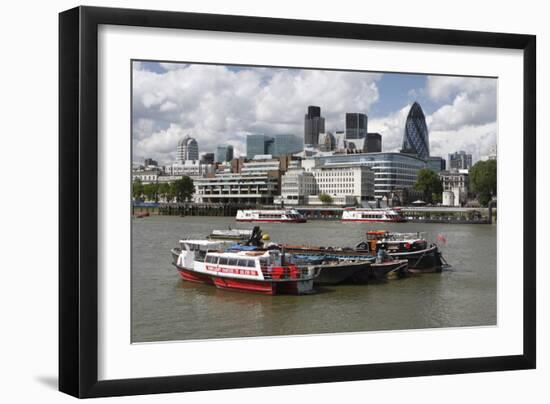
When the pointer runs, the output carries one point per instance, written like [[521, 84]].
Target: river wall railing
[[412, 214]]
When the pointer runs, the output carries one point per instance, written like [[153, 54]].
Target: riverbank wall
[[453, 215]]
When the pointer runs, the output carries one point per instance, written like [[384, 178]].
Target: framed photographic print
[[250, 201]]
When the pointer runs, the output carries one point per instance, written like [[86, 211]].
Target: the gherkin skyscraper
[[415, 138]]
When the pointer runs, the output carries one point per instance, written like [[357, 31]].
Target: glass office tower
[[286, 144], [258, 144], [277, 145], [415, 138], [224, 153], [314, 124], [356, 125]]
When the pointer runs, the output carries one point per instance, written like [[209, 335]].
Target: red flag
[[441, 239]]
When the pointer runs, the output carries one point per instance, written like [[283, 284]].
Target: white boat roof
[[240, 254], [268, 210], [232, 231], [203, 242], [370, 210]]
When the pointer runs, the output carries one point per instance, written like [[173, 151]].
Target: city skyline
[[219, 104]]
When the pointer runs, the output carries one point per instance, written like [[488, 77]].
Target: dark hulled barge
[[421, 255]]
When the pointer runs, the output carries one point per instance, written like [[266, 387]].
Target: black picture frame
[[78, 200]]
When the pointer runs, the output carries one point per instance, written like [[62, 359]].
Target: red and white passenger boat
[[267, 272], [371, 215], [269, 216]]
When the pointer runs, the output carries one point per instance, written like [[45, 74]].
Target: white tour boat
[[267, 272], [268, 216], [371, 215]]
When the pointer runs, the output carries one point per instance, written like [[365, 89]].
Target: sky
[[221, 104]]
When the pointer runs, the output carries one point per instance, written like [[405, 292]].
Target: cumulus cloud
[[464, 117], [217, 104], [220, 104], [467, 121], [444, 88], [391, 127], [477, 140], [473, 102]]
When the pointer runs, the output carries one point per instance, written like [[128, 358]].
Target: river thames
[[166, 308]]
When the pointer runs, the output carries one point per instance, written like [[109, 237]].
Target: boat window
[[212, 259], [251, 263], [264, 262], [242, 263], [223, 261], [232, 261], [200, 256]]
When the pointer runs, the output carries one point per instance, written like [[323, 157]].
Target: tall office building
[[277, 145], [356, 125], [188, 149], [436, 163], [314, 124], [374, 143], [460, 160], [208, 158], [415, 138], [284, 144], [150, 162], [258, 144], [224, 153]]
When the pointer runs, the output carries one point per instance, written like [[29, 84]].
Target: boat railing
[[289, 272]]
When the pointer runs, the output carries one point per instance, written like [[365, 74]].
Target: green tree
[[137, 189], [182, 189], [325, 198], [151, 191], [483, 180], [429, 183], [164, 191]]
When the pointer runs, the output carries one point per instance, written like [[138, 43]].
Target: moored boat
[[263, 271], [379, 271], [421, 255], [270, 216], [335, 270], [231, 234], [371, 215]]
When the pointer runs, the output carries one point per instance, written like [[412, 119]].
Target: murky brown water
[[166, 308]]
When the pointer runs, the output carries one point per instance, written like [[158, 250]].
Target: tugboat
[[421, 256], [266, 272], [271, 216]]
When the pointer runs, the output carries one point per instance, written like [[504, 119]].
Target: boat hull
[[381, 271], [421, 261], [334, 274], [272, 221], [265, 287], [193, 276], [375, 220]]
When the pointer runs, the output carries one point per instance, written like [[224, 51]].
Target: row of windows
[[331, 180], [239, 262]]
